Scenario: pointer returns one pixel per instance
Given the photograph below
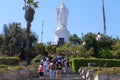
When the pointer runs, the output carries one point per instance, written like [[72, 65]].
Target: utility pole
[[42, 31], [104, 19]]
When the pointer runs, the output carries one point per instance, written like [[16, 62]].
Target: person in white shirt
[[45, 64]]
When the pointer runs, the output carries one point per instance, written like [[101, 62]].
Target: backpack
[[58, 59], [53, 67], [59, 65]]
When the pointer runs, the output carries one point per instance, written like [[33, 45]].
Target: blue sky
[[84, 16]]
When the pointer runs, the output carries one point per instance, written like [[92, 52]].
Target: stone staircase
[[65, 76]]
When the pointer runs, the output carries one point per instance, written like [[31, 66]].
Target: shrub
[[83, 62], [105, 53], [37, 58], [3, 66], [9, 60]]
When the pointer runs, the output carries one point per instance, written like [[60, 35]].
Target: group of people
[[53, 67]]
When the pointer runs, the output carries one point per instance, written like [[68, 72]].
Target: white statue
[[62, 15], [61, 33]]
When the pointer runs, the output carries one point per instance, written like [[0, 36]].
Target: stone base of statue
[[61, 36]]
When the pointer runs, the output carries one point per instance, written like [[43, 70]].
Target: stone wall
[[22, 74], [88, 74], [107, 77]]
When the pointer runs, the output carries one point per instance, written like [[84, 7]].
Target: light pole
[[84, 43], [98, 38], [84, 50]]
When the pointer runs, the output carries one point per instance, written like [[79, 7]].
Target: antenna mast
[[42, 31]]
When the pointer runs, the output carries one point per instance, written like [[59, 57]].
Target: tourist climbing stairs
[[69, 75]]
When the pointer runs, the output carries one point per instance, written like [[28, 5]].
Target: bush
[[9, 60], [83, 62], [37, 58], [3, 66], [105, 53]]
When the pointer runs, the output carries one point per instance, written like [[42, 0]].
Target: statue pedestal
[[61, 35]]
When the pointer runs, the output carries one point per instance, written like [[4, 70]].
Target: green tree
[[106, 41], [10, 41], [51, 49], [65, 50], [78, 51], [89, 53], [74, 39], [105, 53], [13, 39], [116, 49], [40, 49], [90, 40]]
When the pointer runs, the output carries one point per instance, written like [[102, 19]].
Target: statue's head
[[62, 4]]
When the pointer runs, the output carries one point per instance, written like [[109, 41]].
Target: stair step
[[65, 76], [57, 79], [69, 75]]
